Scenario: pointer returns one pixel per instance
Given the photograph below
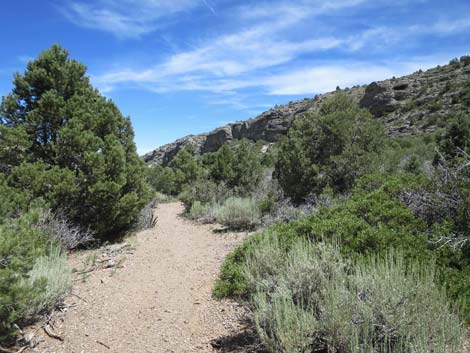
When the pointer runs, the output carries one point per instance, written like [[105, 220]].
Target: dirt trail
[[160, 301]]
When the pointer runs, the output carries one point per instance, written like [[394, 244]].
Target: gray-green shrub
[[53, 270], [238, 213], [202, 212], [22, 243], [310, 299]]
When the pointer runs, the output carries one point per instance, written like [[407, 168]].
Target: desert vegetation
[[361, 237], [386, 241], [69, 177]]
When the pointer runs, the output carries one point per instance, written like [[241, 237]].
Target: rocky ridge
[[408, 105]]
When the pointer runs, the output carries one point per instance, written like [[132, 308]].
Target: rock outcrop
[[269, 126], [408, 105]]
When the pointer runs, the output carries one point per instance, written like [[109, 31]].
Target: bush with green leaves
[[310, 299], [202, 212], [64, 142], [12, 201], [238, 213], [234, 212], [372, 221], [186, 168], [330, 148], [51, 269], [206, 192], [238, 165], [163, 180], [410, 154], [455, 137], [32, 272]]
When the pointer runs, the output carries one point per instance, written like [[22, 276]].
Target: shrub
[[201, 212], [54, 272], [204, 191], [61, 230], [232, 280], [373, 220], [310, 299], [12, 201], [407, 154], [329, 148], [465, 60], [147, 218], [21, 243], [454, 138], [77, 150], [464, 94], [163, 180], [448, 200], [163, 198], [238, 165], [186, 168], [238, 213]]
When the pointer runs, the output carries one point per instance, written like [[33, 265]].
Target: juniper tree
[[77, 149], [331, 147]]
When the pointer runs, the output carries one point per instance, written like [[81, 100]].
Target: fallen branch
[[104, 345], [76, 295], [48, 330]]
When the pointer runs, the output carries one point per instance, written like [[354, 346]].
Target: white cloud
[[445, 27], [124, 18], [325, 78], [295, 10], [223, 63], [264, 54]]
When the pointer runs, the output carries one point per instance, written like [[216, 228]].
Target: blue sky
[[178, 67]]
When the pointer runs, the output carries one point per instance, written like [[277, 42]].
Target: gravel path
[[159, 301]]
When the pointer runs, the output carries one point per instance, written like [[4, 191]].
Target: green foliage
[[311, 299], [455, 137], [371, 222], [13, 146], [435, 106], [206, 192], [452, 160], [329, 148], [21, 243], [186, 167], [410, 104], [238, 213], [232, 280], [238, 165], [54, 272], [41, 180], [200, 211], [464, 94], [62, 141], [234, 212], [12, 201], [163, 198], [163, 180]]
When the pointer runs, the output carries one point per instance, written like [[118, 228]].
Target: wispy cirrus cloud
[[266, 53], [126, 18], [225, 62]]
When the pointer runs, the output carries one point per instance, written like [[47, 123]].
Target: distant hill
[[408, 105]]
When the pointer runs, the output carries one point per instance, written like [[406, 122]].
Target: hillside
[[408, 105]]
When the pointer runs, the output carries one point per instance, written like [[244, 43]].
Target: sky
[[180, 67]]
